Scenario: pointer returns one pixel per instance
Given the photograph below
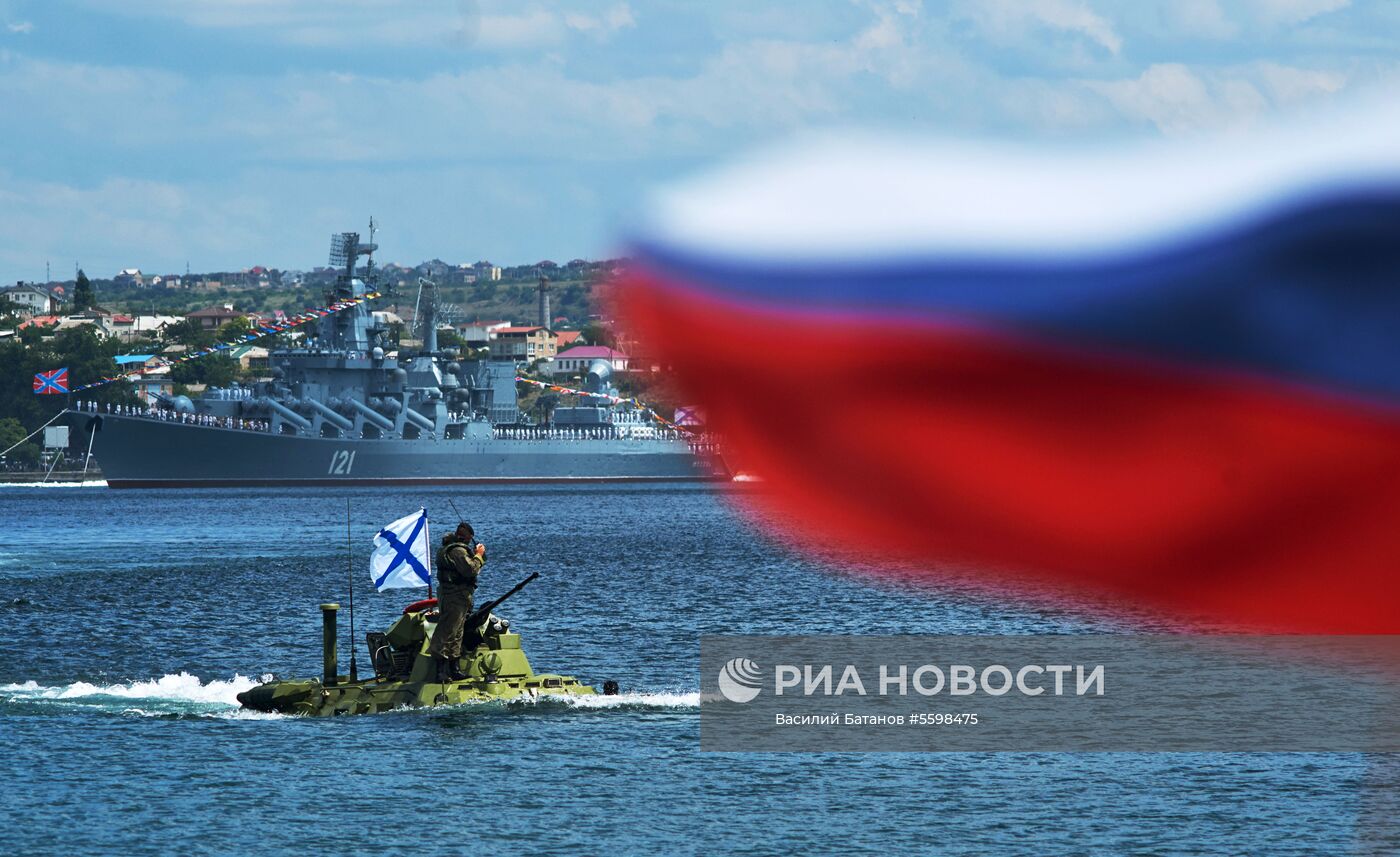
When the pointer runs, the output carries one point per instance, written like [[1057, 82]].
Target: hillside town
[[135, 308]]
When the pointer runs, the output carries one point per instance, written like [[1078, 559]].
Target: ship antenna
[[369, 257], [416, 303], [350, 572]]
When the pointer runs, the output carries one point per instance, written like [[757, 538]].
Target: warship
[[342, 408], [406, 676]]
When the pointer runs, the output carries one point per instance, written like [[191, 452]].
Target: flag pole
[[92, 436], [350, 571]]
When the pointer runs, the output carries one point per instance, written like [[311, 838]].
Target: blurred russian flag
[[1168, 372]]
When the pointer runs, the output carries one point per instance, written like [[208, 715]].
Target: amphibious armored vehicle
[[406, 676]]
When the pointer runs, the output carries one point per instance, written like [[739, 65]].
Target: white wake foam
[[178, 688], [91, 483], [634, 700], [182, 694], [658, 702], [665, 701]]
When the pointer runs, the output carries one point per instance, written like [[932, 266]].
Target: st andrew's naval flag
[[1168, 373], [400, 558], [52, 383]]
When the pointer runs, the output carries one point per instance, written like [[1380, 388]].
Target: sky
[[231, 133]]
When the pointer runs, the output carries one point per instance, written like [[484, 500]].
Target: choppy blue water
[[128, 621]]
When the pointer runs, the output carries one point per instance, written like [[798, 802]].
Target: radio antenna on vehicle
[[350, 572]]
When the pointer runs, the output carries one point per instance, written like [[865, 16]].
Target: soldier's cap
[[463, 525]]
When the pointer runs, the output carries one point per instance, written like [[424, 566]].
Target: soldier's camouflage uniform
[[457, 571]]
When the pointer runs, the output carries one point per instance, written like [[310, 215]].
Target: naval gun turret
[[406, 676]]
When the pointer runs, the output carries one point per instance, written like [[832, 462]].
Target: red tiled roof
[[518, 329], [590, 352]]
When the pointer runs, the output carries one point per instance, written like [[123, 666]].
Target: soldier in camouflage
[[459, 561]]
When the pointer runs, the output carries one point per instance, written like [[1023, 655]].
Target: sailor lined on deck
[[459, 561]]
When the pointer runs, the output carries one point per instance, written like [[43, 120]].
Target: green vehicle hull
[[406, 676]]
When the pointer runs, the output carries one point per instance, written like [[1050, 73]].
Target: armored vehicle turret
[[406, 676]]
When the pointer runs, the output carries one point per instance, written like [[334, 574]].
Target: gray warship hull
[[137, 452]]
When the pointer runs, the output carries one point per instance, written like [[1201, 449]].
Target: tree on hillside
[[234, 329], [187, 333], [12, 432], [215, 370], [448, 338], [9, 313], [574, 296], [88, 358], [599, 334], [83, 295]]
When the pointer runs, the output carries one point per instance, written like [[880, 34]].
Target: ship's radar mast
[[346, 249], [425, 314], [350, 330]]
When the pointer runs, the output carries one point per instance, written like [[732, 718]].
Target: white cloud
[[1179, 100], [618, 17], [121, 219], [1017, 20], [108, 105], [23, 28], [1200, 19], [281, 217], [745, 92], [754, 89], [1169, 96], [532, 28], [491, 25], [1287, 85], [1290, 12], [1030, 68]]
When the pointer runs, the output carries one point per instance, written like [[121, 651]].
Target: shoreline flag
[[1167, 373], [400, 558], [52, 383]]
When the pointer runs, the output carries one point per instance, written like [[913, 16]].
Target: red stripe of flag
[[1241, 500]]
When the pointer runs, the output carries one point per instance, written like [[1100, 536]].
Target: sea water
[[129, 621]]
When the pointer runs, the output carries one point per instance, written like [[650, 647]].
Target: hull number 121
[[341, 462]]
